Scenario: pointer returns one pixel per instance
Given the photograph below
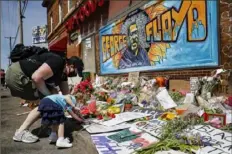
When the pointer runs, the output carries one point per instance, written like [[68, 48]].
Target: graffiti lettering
[[166, 27], [111, 45]]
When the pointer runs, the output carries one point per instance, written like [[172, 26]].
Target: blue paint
[[182, 53], [103, 142]]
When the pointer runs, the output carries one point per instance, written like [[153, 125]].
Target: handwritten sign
[[153, 127], [220, 141], [193, 84], [133, 77], [154, 113], [122, 117], [106, 146]]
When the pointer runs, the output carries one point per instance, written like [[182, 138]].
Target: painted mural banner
[[161, 36]]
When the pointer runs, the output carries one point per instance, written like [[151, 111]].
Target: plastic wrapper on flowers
[[192, 139], [206, 86]]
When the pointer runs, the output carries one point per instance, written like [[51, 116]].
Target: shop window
[[60, 11], [70, 4], [88, 54]]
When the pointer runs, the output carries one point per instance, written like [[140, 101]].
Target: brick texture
[[226, 33]]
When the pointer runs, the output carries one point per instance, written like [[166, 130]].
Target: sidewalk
[[10, 122]]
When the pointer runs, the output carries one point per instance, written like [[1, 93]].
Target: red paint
[[85, 11]]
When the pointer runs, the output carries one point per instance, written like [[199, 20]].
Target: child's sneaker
[[53, 137], [63, 143]]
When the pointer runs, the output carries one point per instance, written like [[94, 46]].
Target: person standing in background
[[3, 78]]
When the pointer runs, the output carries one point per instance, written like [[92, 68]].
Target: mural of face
[[133, 39]]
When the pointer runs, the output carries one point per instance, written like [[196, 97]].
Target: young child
[[52, 110]]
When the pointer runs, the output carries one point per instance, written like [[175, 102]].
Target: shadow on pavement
[[70, 126]]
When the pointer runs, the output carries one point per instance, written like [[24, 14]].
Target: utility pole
[[10, 38], [20, 23]]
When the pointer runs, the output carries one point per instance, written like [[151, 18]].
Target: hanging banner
[[161, 36]]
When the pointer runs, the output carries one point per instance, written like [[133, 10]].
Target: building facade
[[102, 32]]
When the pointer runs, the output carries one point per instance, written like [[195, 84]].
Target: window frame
[[69, 5], [60, 11], [51, 23]]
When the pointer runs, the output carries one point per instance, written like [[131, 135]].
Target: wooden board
[[179, 85]]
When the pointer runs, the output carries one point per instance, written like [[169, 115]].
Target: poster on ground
[[161, 35], [220, 141], [121, 118], [105, 145]]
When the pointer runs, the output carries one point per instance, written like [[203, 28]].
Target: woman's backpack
[[21, 52]]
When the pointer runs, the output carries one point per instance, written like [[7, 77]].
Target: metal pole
[[10, 38], [20, 23]]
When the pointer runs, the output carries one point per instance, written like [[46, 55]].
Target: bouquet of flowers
[[83, 90], [176, 95]]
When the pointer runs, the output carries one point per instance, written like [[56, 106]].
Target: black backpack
[[21, 52]]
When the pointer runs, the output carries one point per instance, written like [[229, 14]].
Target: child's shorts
[[51, 113]]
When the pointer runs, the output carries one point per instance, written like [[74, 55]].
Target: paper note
[[133, 77], [97, 128], [122, 117], [165, 99]]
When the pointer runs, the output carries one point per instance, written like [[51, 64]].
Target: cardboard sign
[[105, 145], [220, 141], [133, 77]]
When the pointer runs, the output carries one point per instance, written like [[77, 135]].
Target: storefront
[[82, 28]]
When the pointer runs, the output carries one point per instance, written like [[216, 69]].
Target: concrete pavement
[[10, 122]]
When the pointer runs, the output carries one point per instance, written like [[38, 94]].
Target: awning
[[59, 43]]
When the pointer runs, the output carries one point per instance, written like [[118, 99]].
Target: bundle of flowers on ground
[[83, 90]]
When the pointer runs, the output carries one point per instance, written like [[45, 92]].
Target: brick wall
[[54, 11], [73, 50], [116, 7], [226, 33]]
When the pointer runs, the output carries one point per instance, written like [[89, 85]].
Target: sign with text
[[153, 127], [97, 128], [105, 145], [122, 117], [133, 77], [39, 34], [220, 141], [161, 35]]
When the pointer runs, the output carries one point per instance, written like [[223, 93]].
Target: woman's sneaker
[[25, 136], [63, 143]]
